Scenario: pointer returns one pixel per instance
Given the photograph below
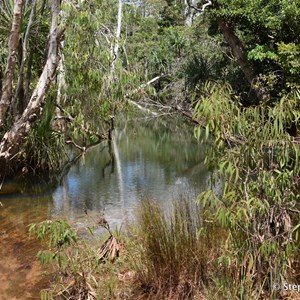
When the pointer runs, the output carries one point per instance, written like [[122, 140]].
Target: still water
[[154, 159]]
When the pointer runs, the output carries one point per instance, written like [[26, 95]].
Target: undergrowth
[[176, 255]]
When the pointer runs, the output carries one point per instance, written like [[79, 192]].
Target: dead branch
[[81, 148], [144, 109], [139, 106], [208, 3], [109, 250], [143, 86]]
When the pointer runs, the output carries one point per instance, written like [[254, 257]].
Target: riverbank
[[163, 256], [103, 185]]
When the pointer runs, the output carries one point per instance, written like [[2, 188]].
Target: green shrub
[[258, 161]]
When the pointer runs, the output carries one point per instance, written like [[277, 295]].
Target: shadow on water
[[157, 159]]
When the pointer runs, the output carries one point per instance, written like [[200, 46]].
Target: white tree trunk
[[19, 96], [13, 44], [13, 139], [117, 37]]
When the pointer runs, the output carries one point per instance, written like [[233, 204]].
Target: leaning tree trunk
[[240, 55], [11, 61], [11, 145], [238, 50]]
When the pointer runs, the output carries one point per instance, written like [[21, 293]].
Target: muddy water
[[147, 159]]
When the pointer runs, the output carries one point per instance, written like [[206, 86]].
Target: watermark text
[[286, 287]]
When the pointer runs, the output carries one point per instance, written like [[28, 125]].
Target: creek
[[158, 159]]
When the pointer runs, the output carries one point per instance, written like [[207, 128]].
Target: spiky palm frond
[[6, 17]]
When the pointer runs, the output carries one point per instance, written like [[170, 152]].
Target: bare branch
[[83, 149], [144, 109], [70, 119], [208, 3], [143, 86]]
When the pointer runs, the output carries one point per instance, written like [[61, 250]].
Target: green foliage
[[93, 91], [55, 233], [77, 264], [287, 56], [58, 236], [270, 34], [176, 40], [38, 33], [289, 60], [64, 255], [44, 147], [172, 13], [258, 163], [266, 16], [200, 68]]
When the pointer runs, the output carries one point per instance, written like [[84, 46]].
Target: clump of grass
[[175, 253]]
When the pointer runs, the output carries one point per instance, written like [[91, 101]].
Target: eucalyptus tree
[[255, 144], [115, 47], [11, 60], [263, 39], [31, 128], [15, 130]]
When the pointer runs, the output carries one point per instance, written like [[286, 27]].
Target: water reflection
[[145, 161], [150, 159]]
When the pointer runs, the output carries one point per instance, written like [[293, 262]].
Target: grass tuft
[[174, 254]]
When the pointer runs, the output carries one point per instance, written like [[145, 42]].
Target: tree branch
[[209, 3], [144, 109], [70, 119], [143, 85]]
